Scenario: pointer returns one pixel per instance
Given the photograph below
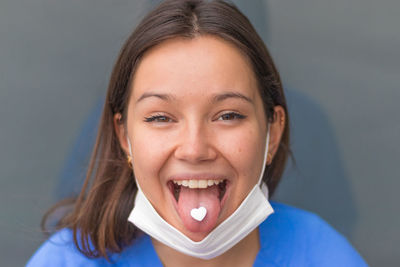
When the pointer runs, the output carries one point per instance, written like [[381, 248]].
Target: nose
[[195, 144]]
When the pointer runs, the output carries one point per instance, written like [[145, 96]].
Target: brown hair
[[100, 212]]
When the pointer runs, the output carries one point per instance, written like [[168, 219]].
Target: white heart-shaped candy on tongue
[[198, 214]]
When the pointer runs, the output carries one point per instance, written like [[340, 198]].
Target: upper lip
[[197, 176]]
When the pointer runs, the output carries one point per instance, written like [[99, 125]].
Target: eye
[[231, 116], [158, 118]]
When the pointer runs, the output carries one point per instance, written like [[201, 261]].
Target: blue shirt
[[288, 237]]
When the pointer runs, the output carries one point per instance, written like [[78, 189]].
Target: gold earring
[[269, 158], [129, 160]]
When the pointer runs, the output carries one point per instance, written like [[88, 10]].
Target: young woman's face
[[195, 119]]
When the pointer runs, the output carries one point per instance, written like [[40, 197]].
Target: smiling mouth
[[175, 186]]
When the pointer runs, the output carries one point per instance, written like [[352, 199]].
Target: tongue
[[195, 198]]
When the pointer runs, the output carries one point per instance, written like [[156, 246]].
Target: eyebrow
[[224, 96], [215, 98], [165, 97]]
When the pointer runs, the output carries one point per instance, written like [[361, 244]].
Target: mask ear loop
[[130, 153], [265, 158], [129, 146]]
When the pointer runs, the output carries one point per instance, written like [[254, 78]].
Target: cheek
[[244, 153], [244, 150], [149, 146], [150, 152]]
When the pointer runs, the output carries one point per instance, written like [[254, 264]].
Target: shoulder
[[301, 236], [60, 250]]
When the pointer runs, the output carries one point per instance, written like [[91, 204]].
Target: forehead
[[203, 65]]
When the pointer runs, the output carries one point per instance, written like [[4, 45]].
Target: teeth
[[202, 183], [197, 183], [193, 184]]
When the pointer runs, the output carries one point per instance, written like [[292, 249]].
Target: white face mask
[[254, 209]]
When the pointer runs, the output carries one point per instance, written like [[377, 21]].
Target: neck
[[242, 254]]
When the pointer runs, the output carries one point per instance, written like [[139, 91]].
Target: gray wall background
[[339, 61]]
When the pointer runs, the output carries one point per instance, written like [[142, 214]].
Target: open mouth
[[175, 186], [192, 194]]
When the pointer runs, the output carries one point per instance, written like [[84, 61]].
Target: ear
[[120, 132], [276, 128]]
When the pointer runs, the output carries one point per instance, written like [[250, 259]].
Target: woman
[[192, 143]]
